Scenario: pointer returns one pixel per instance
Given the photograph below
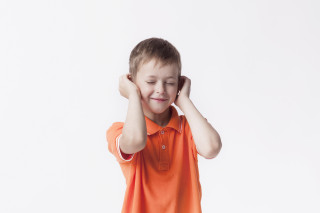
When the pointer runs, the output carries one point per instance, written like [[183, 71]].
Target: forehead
[[155, 68]]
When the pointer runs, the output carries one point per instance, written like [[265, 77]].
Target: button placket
[[164, 152]]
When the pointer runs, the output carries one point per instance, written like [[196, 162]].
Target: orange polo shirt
[[164, 176]]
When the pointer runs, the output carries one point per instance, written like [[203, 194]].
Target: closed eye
[[152, 82]]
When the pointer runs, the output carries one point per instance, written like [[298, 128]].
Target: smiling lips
[[159, 99]]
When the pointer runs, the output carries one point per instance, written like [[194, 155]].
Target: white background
[[254, 67]]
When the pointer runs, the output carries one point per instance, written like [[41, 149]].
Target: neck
[[161, 119]]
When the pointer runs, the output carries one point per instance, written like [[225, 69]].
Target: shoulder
[[186, 130], [184, 123], [115, 126], [113, 135], [114, 130]]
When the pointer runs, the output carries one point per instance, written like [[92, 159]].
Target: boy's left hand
[[185, 87]]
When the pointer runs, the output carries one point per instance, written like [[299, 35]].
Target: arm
[[206, 138], [134, 132]]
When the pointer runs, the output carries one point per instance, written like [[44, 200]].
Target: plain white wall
[[254, 67]]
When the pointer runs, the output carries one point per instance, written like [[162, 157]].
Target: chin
[[158, 109]]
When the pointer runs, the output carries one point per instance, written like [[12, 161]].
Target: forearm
[[206, 138], [134, 130]]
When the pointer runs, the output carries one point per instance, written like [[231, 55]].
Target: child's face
[[158, 86]]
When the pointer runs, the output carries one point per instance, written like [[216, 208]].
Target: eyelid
[[152, 82]]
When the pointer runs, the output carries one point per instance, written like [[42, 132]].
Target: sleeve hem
[[129, 157]]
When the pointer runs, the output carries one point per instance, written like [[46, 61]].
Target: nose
[[160, 88]]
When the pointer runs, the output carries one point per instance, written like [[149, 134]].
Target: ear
[[131, 78], [181, 82]]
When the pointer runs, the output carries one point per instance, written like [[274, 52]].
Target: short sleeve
[[113, 135], [188, 133]]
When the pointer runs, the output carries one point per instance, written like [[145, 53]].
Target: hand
[[127, 87], [185, 87]]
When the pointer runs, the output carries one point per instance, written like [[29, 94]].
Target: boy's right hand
[[127, 87]]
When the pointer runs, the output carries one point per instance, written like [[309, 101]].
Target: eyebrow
[[152, 76]]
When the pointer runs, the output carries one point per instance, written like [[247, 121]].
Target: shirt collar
[[174, 123]]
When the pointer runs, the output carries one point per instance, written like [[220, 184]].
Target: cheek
[[174, 89], [145, 91]]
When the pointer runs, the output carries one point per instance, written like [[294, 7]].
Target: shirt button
[[162, 132], [163, 147]]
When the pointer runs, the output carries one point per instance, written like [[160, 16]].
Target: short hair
[[153, 48]]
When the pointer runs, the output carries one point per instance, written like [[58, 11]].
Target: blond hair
[[153, 48]]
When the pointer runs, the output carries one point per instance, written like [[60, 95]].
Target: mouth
[[159, 99]]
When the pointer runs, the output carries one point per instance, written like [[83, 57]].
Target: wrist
[[183, 102], [135, 94]]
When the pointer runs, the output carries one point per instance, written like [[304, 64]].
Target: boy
[[155, 147]]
